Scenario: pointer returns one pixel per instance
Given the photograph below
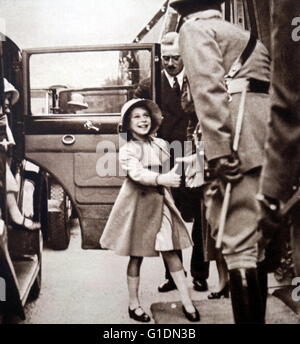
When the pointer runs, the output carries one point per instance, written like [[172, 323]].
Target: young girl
[[144, 220]]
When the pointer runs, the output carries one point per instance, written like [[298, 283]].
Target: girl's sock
[[133, 290], [181, 284]]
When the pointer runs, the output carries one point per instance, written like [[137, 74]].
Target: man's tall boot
[[246, 299], [262, 274]]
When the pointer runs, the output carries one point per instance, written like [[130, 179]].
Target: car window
[[87, 82]]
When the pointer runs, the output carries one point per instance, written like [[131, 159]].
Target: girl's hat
[[9, 88], [154, 111]]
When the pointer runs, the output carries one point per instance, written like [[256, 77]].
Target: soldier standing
[[281, 166], [209, 47]]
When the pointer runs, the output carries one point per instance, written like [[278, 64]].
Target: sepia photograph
[[149, 164]]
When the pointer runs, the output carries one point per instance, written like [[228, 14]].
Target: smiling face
[[140, 123]]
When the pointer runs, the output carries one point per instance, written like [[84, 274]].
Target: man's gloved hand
[[227, 169], [270, 220]]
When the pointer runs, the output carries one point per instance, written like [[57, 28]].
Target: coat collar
[[163, 149], [207, 14]]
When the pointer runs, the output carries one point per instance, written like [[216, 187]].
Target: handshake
[[226, 168], [194, 169]]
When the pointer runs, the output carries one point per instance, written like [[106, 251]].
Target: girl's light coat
[[137, 213]]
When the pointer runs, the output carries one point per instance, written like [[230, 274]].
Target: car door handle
[[89, 126]]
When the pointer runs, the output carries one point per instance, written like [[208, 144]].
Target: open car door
[[72, 104]]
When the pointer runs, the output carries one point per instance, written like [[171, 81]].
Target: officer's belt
[[254, 85]]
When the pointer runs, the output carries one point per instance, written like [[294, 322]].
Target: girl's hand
[[194, 176], [170, 179], [190, 163]]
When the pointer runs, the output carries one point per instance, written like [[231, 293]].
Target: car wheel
[[58, 218]]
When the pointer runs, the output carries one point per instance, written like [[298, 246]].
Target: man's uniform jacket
[[209, 46], [281, 168]]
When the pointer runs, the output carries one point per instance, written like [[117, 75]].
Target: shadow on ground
[[219, 312]]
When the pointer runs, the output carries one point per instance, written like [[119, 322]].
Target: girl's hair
[[126, 123]]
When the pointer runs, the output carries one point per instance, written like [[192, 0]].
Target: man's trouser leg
[[295, 239], [199, 267]]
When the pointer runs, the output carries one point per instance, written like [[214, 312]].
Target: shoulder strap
[[240, 61]]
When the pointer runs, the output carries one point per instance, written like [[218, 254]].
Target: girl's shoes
[[217, 295], [143, 317], [195, 316], [27, 225]]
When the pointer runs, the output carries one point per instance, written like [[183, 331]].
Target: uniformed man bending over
[[209, 46]]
